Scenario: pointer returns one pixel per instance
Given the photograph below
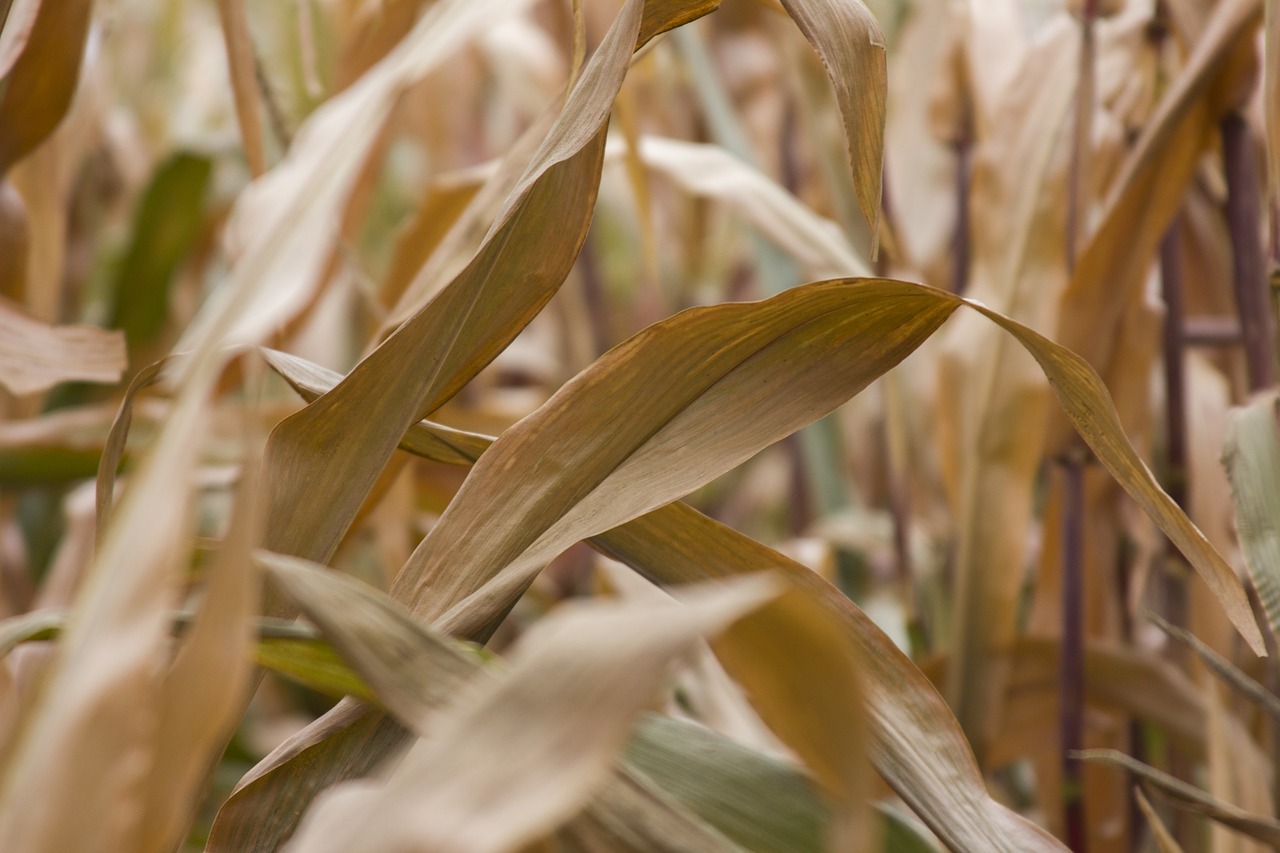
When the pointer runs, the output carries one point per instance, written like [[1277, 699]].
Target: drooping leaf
[[524, 259], [852, 48]]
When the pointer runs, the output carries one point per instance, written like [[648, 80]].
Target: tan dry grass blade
[[322, 461], [35, 357], [288, 219], [41, 60], [1191, 798], [1251, 456], [244, 82], [416, 673], [1151, 189], [201, 700], [90, 739], [852, 48], [479, 781]]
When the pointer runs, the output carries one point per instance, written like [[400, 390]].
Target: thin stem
[[1071, 667], [1244, 211]]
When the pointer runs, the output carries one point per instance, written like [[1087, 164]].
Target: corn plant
[[484, 426]]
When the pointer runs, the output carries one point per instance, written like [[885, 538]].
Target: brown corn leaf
[[1225, 669], [718, 367], [675, 545], [40, 52], [322, 461], [35, 356]]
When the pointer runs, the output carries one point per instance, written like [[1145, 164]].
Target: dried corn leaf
[[35, 356], [241, 64], [709, 171], [526, 256], [478, 781], [1149, 192], [606, 449], [852, 48], [40, 51], [201, 700], [91, 738], [289, 218]]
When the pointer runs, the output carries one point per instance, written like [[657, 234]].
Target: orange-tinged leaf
[[41, 51]]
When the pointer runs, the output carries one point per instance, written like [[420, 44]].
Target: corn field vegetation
[[707, 426]]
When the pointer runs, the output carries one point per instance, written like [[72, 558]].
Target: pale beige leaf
[[35, 357], [478, 782], [816, 242], [201, 700], [91, 737], [287, 220]]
